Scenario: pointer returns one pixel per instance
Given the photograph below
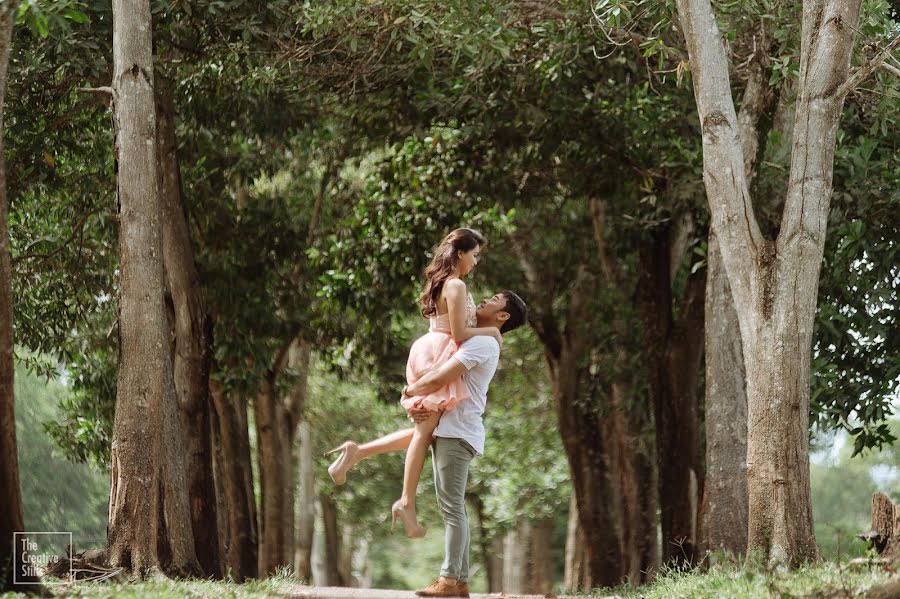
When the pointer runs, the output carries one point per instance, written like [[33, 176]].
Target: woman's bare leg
[[391, 442], [415, 459]]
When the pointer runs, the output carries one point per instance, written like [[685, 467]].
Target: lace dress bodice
[[442, 321]]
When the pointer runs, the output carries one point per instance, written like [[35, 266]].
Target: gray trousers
[[451, 472]]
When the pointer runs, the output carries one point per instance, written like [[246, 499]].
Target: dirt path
[[304, 592]]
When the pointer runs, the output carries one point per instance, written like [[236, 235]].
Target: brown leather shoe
[[443, 589], [462, 588]]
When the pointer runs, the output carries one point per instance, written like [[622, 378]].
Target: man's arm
[[451, 370]]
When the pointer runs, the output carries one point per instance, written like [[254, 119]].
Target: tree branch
[[866, 70], [890, 69], [827, 43], [724, 173]]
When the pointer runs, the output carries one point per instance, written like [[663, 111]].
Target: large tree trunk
[[724, 512], [192, 343], [580, 427], [272, 453], [237, 483], [11, 517], [143, 348], [775, 284], [673, 350], [306, 505]]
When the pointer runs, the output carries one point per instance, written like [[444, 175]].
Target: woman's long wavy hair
[[443, 265]]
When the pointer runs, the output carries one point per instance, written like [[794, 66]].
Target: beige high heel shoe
[[413, 529], [338, 470]]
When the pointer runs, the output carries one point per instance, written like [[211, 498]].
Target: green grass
[[167, 589], [738, 582], [727, 581]]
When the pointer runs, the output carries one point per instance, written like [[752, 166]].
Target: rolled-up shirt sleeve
[[477, 350]]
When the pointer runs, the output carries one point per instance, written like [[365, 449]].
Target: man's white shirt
[[480, 356]]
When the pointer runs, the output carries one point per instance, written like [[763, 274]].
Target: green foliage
[[842, 488], [57, 495]]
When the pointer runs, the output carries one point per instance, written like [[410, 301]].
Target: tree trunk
[[175, 538], [580, 427], [271, 451], [11, 516], [515, 559], [306, 505], [577, 576], [237, 483], [541, 563], [724, 512], [490, 547], [294, 404], [192, 343], [775, 284], [219, 468], [673, 350], [333, 544], [143, 348], [635, 526]]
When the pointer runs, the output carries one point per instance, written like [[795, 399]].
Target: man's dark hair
[[518, 312]]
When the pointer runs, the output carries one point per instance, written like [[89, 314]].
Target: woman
[[451, 310]]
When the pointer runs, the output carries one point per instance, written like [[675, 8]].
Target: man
[[459, 436]]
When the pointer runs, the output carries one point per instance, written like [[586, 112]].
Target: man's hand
[[417, 413]]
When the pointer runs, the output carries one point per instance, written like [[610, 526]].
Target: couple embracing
[[448, 373]]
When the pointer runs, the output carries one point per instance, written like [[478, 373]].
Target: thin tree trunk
[[143, 349], [11, 516], [724, 512], [333, 544], [237, 485], [673, 349], [294, 404], [271, 451], [306, 520], [515, 560], [192, 343], [219, 467]]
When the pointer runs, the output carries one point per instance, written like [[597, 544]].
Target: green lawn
[[828, 580]]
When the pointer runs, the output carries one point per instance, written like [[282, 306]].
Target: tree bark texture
[[724, 511], [143, 348], [272, 450], [237, 484], [192, 339], [775, 284], [674, 348]]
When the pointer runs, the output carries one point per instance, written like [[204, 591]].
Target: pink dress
[[432, 350]]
